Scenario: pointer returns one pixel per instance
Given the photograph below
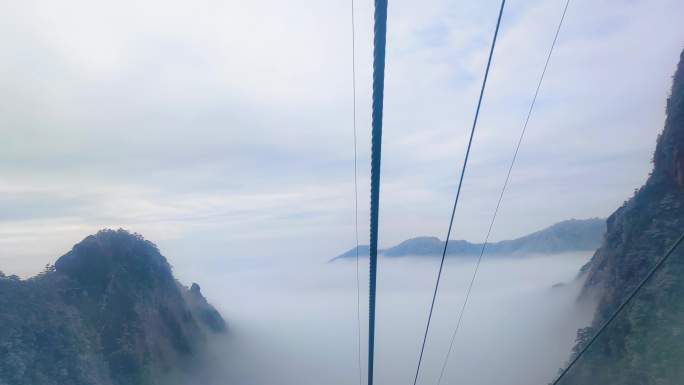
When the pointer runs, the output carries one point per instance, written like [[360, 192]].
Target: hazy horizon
[[28, 271]]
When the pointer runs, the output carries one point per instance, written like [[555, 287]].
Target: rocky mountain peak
[[668, 158], [110, 312], [115, 255]]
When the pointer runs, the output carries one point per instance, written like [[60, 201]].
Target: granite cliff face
[[109, 312], [645, 344]]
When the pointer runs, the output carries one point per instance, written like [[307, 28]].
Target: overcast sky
[[223, 129]]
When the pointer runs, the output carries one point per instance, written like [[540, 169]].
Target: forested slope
[[109, 312], [645, 344]]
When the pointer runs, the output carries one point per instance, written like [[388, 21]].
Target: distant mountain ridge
[[569, 235]]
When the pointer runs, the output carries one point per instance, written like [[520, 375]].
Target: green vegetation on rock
[[108, 312], [645, 344]]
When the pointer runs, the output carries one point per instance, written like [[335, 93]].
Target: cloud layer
[[224, 128], [295, 323]]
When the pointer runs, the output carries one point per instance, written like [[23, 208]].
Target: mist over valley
[[297, 317]]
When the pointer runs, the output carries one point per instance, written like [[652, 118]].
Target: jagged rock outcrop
[[645, 345], [203, 310], [109, 312]]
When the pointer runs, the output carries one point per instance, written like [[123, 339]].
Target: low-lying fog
[[294, 321]]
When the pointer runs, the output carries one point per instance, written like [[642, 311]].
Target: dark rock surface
[[645, 344], [109, 312]]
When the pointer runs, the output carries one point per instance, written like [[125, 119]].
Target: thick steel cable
[[501, 195], [458, 191], [379, 43], [617, 311], [356, 197]]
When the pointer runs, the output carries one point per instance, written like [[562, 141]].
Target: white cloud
[[225, 127]]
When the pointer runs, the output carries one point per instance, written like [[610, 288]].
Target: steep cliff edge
[[645, 344], [109, 312]]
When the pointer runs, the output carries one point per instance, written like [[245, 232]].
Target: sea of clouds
[[294, 321]]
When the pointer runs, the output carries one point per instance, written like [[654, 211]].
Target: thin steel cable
[[617, 311], [356, 198], [379, 43], [458, 191], [501, 195]]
